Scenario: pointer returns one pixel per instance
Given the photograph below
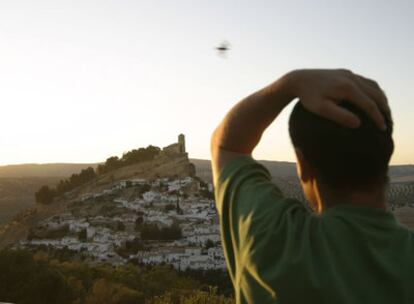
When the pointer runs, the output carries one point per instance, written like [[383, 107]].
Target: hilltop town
[[154, 213], [166, 220]]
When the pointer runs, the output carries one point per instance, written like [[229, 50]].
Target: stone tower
[[181, 143]]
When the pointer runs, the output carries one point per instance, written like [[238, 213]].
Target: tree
[[191, 297], [172, 232], [82, 235], [120, 226], [24, 280], [130, 247], [208, 244], [104, 291], [144, 188], [152, 232], [53, 277], [113, 163], [140, 155], [169, 207], [63, 186], [138, 222], [101, 169], [45, 195], [128, 158], [83, 177], [87, 175]]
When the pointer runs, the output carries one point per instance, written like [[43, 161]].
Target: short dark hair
[[343, 158]]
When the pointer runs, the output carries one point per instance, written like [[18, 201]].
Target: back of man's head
[[343, 159]]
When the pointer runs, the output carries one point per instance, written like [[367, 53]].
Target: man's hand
[[321, 90]]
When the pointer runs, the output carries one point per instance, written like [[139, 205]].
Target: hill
[[17, 193], [18, 183], [43, 170], [400, 192], [276, 168], [172, 161], [398, 173], [402, 173]]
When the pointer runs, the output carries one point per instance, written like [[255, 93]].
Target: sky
[[84, 80]]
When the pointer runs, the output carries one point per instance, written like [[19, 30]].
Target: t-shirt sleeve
[[258, 224]]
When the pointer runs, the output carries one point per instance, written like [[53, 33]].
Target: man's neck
[[373, 199]]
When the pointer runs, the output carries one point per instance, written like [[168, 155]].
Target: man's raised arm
[[320, 91]]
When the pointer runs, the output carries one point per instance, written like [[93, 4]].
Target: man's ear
[[308, 181], [303, 168]]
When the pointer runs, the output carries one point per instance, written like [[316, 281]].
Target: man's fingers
[[373, 90], [338, 114], [371, 82], [367, 104]]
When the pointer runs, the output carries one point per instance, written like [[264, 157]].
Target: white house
[[150, 196]]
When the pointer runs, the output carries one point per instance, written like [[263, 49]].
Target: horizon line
[[205, 159]]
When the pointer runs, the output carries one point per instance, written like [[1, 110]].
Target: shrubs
[[104, 291], [128, 158], [24, 280], [56, 233], [130, 247], [45, 195], [169, 207], [192, 297], [39, 279], [153, 232], [82, 235]]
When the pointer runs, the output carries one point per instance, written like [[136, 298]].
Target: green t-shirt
[[277, 251]]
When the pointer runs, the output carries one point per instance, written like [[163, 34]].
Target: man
[[349, 249]]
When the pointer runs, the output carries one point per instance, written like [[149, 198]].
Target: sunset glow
[[83, 80]]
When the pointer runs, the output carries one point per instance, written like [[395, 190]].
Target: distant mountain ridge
[[17, 193], [43, 170], [398, 173]]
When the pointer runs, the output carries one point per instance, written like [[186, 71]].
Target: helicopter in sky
[[223, 48]]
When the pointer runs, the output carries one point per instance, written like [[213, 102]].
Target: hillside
[[17, 194], [400, 193], [276, 168], [43, 170], [169, 163], [18, 183], [398, 173]]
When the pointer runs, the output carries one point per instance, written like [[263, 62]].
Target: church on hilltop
[[176, 149], [173, 160]]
